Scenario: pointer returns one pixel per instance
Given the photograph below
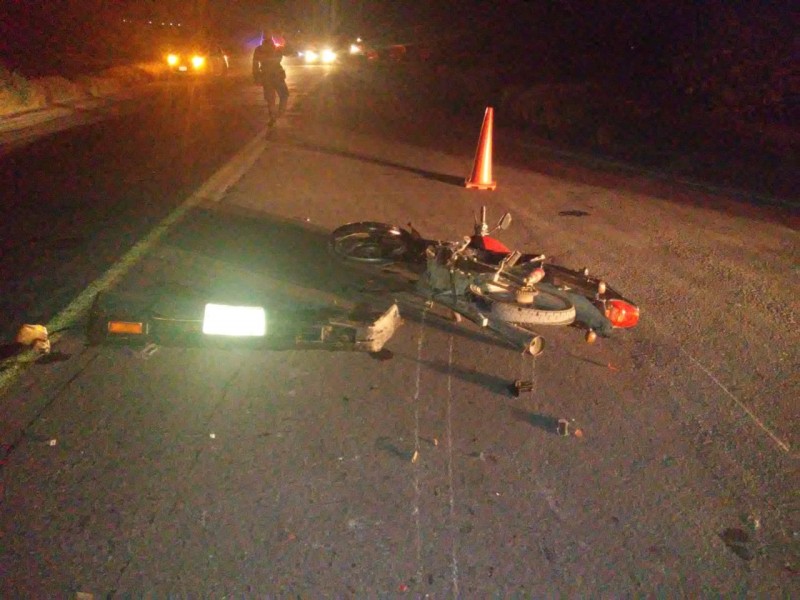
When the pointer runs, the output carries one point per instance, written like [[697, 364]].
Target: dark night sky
[[387, 17], [653, 27]]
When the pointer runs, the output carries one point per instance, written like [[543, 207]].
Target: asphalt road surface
[[226, 470]]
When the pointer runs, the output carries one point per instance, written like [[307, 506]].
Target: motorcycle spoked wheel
[[547, 308], [369, 242]]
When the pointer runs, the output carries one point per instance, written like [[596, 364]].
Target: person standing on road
[[270, 75]]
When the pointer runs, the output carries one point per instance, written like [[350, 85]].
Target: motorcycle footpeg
[[520, 387]]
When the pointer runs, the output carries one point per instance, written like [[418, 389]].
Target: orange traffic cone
[[481, 178]]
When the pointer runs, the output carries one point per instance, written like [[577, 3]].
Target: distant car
[[197, 58]]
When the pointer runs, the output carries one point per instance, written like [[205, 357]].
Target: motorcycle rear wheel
[[369, 242], [546, 309]]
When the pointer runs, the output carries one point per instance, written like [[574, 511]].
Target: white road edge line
[[212, 190]]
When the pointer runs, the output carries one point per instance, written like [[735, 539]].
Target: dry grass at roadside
[[59, 90], [98, 86], [19, 94], [687, 140]]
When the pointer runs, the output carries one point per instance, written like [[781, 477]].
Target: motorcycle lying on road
[[481, 279]]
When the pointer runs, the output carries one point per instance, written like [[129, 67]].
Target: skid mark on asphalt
[[417, 378], [12, 445], [783, 445], [712, 451], [454, 554], [187, 475]]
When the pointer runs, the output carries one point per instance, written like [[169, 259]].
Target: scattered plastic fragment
[[435, 442], [52, 442], [148, 350], [612, 367], [563, 427], [415, 456], [579, 433], [35, 336], [213, 436]]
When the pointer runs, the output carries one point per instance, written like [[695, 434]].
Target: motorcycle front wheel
[[369, 242]]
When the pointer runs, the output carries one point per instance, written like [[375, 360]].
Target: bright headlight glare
[[198, 61], [172, 59], [328, 55], [239, 321], [311, 56]]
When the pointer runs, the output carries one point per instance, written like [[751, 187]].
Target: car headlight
[[198, 61], [328, 55], [311, 56], [172, 59]]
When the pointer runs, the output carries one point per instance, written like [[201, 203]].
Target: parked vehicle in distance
[[196, 56], [317, 54]]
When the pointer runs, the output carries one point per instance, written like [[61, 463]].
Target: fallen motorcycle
[[484, 281]]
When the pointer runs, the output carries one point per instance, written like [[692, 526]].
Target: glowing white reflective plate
[[222, 319]]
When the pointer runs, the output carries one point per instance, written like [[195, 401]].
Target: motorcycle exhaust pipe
[[527, 341]]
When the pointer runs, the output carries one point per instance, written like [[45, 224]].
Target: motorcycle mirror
[[505, 222]]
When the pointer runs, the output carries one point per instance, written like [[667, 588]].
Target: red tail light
[[622, 314]]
